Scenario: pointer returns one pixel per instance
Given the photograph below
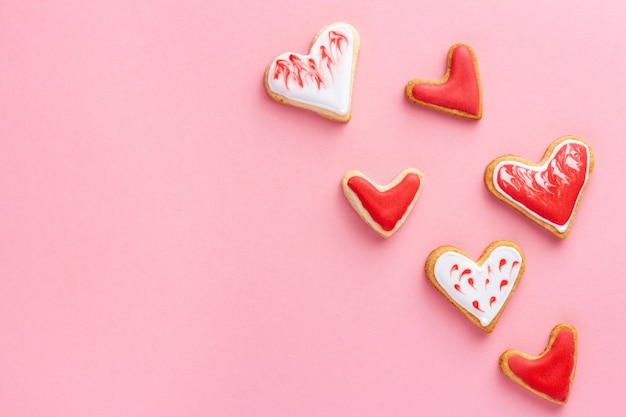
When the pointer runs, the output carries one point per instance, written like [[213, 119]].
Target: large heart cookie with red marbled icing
[[481, 289], [383, 207], [458, 93], [322, 80], [548, 192], [549, 374]]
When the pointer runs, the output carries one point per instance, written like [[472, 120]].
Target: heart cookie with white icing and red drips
[[459, 91], [322, 80], [548, 192], [481, 289], [383, 207], [550, 374]]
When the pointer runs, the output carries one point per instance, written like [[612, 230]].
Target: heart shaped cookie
[[481, 289], [386, 207], [322, 80], [549, 374], [548, 192], [458, 92]]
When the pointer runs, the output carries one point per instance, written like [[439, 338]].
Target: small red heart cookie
[[322, 80], [548, 192], [383, 208], [549, 374], [480, 290], [458, 92]]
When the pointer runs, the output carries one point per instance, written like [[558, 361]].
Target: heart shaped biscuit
[[481, 289], [321, 81], [548, 192], [384, 208], [549, 374], [458, 92]]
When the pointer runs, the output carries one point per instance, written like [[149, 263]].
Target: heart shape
[[384, 208], [480, 290], [322, 80], [549, 374], [458, 92], [547, 192]]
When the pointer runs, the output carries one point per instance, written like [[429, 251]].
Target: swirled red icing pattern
[[550, 192], [309, 70]]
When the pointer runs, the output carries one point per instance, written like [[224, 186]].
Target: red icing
[[461, 91], [551, 373], [465, 272], [550, 193], [337, 40], [476, 305], [298, 70], [387, 207], [502, 263], [305, 70], [503, 283], [492, 300]]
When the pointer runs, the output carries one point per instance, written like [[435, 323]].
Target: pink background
[[175, 243]]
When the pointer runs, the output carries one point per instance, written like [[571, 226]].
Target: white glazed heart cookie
[[322, 80], [481, 289]]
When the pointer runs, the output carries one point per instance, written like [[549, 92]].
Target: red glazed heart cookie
[[384, 208], [458, 92], [481, 289], [548, 192], [549, 374], [322, 80]]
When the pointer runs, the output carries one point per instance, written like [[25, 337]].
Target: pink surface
[[175, 243]]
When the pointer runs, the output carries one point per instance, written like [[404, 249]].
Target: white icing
[[448, 271], [560, 227], [335, 92]]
